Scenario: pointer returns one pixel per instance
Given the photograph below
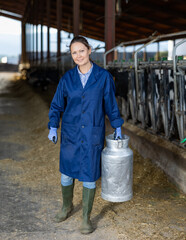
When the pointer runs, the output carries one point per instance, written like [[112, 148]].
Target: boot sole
[[86, 231]]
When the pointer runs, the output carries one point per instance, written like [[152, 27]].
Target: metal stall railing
[[179, 93], [156, 95]]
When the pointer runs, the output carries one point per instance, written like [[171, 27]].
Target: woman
[[84, 94]]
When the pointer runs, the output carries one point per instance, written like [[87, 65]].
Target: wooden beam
[[10, 16], [26, 11], [17, 9], [169, 9], [144, 13]]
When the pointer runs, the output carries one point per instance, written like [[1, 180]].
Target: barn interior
[[151, 95]]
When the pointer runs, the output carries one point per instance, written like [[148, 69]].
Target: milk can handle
[[119, 143]]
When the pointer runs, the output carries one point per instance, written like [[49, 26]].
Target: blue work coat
[[83, 121]]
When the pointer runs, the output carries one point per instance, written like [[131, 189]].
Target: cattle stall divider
[[155, 98]]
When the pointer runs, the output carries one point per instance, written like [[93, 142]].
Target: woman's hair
[[80, 39]]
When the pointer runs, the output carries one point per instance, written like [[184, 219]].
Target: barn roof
[[134, 19]]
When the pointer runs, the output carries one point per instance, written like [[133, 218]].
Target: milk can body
[[117, 170]]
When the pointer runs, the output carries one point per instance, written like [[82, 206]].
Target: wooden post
[[23, 37], [41, 21], [76, 16], [109, 27], [115, 55], [36, 42], [48, 30], [58, 13], [36, 22], [33, 45], [41, 43], [158, 51], [133, 52], [145, 54], [124, 53]]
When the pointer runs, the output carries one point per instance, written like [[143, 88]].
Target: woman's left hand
[[52, 136], [117, 134]]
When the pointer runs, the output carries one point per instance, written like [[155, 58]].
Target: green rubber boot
[[88, 199], [67, 195]]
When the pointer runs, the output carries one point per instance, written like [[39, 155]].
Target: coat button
[[82, 126], [83, 96], [81, 141]]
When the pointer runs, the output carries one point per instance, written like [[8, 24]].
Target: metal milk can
[[117, 170]]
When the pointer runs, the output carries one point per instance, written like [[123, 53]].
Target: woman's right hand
[[52, 136], [118, 134]]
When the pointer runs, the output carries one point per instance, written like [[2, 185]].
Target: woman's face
[[80, 53]]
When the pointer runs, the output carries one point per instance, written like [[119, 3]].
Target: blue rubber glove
[[52, 136], [117, 134]]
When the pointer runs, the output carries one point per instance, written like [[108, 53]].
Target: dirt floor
[[30, 182]]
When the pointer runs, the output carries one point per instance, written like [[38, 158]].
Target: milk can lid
[[119, 143]]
